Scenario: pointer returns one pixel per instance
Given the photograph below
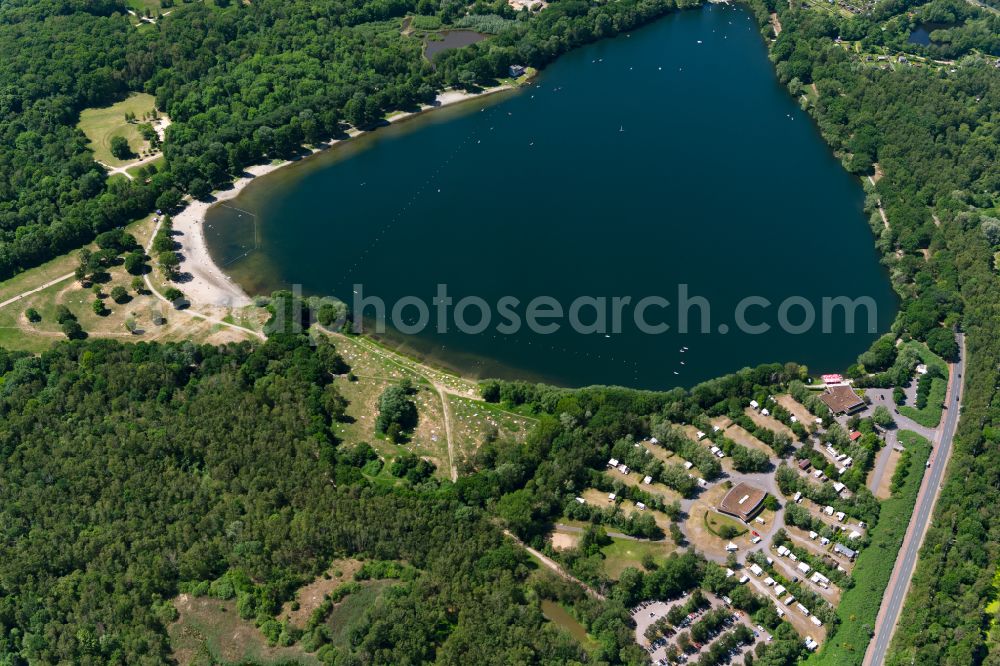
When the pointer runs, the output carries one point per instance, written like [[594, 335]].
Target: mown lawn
[[100, 125], [716, 522], [623, 553]]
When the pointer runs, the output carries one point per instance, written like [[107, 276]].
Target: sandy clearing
[[769, 422], [311, 596], [564, 541], [884, 489], [205, 283], [798, 410]]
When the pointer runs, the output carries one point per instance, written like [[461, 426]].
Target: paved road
[[899, 584], [884, 397]]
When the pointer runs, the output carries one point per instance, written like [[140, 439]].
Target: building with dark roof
[[842, 400], [743, 502]]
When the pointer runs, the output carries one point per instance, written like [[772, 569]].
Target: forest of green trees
[[129, 471]]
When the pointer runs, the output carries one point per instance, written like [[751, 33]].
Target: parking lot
[[647, 613]]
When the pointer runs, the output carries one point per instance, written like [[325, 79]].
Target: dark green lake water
[[670, 156]]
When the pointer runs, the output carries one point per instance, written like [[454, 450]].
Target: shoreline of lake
[[547, 153], [207, 284]]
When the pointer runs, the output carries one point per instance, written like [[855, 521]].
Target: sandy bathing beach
[[205, 283]]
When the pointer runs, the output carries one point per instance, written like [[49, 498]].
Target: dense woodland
[[131, 471]]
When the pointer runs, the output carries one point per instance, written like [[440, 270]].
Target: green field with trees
[[133, 472]]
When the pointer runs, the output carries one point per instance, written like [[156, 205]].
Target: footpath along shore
[[205, 282]]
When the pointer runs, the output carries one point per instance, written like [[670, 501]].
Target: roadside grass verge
[[859, 606]]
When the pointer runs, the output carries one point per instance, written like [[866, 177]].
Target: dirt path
[[554, 566], [123, 169], [443, 383], [36, 289], [188, 311], [442, 390], [881, 211], [446, 409]]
